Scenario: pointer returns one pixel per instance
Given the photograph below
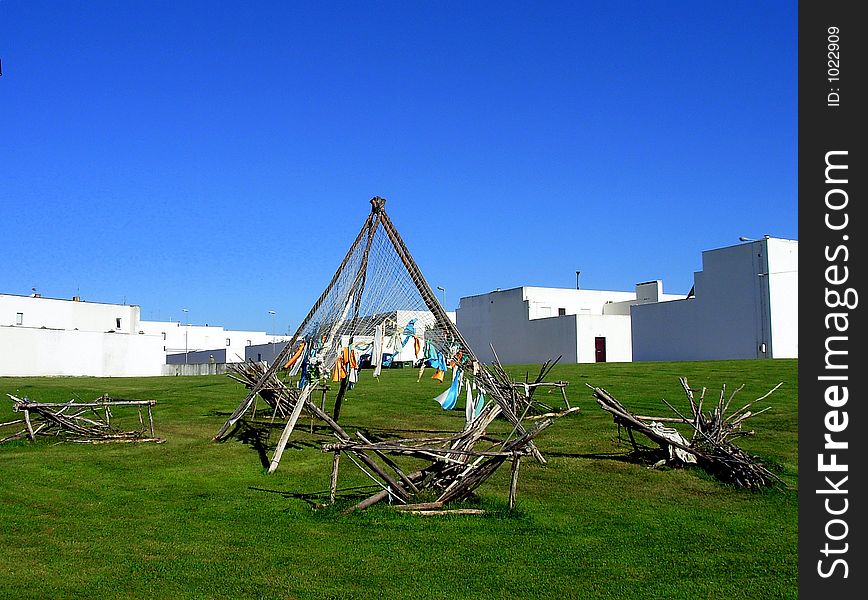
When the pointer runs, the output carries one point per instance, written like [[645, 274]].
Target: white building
[[745, 305], [50, 336], [198, 342], [535, 324], [53, 336]]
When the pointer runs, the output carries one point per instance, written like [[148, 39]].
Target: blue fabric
[[303, 378], [409, 331], [387, 359], [452, 396], [480, 401]]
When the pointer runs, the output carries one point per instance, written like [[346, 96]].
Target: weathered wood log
[[513, 481], [451, 511], [333, 480]]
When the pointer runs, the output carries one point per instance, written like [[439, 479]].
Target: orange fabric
[[456, 359], [417, 346], [294, 358], [438, 375], [340, 370], [353, 361]]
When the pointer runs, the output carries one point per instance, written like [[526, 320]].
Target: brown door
[[600, 349]]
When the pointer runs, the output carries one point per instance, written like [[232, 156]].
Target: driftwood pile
[[522, 398], [82, 422], [711, 445], [458, 464], [278, 396]]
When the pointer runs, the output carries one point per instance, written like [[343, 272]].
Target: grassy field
[[195, 519]]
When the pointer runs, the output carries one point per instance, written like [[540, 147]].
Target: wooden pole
[[513, 482], [290, 424], [333, 483], [29, 426], [340, 397]]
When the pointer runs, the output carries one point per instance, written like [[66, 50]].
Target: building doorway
[[600, 349]]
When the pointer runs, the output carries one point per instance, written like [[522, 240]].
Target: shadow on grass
[[257, 439], [320, 499]]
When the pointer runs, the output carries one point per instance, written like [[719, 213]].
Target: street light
[[272, 313], [186, 332], [444, 295]]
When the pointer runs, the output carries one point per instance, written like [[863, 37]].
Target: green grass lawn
[[194, 519]]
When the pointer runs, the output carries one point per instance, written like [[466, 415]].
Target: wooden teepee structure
[[377, 275]]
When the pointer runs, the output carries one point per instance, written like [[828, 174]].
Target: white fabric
[[377, 351], [672, 434]]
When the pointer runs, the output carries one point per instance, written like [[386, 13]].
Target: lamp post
[[186, 332], [442, 289]]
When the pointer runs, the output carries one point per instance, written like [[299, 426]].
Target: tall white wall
[[783, 276], [26, 351], [616, 330], [736, 311], [514, 321]]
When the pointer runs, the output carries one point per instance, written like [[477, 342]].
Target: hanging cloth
[[304, 366], [394, 342], [480, 402], [468, 407], [377, 349], [295, 356], [300, 364], [448, 398], [409, 331]]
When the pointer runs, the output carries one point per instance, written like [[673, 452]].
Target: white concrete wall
[[55, 313], [734, 310], [783, 275], [616, 330], [542, 340], [667, 331], [511, 320], [498, 318], [26, 351]]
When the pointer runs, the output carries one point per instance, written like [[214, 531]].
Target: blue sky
[[219, 156]]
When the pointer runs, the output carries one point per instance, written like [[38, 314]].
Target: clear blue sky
[[219, 156]]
